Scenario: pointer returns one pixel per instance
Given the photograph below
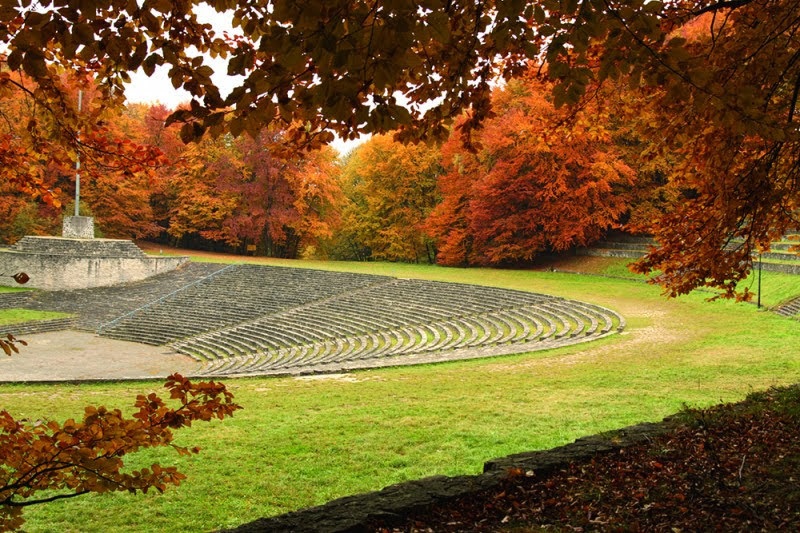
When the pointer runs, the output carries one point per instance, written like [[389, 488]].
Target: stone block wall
[[78, 227], [55, 263]]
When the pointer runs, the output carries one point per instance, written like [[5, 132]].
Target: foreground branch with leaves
[[9, 344], [77, 457]]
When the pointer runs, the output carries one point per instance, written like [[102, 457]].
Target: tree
[[541, 180], [391, 188], [77, 457], [41, 165], [316, 67], [237, 191]]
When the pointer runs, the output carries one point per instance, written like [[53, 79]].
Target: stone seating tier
[[77, 247], [245, 319]]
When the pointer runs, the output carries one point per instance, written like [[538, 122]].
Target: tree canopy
[[727, 93]]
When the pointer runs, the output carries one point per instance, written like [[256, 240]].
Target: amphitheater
[[240, 320]]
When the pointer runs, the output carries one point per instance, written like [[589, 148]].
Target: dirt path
[[81, 356]]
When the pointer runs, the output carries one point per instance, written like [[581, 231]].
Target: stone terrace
[[100, 305], [261, 320], [248, 319]]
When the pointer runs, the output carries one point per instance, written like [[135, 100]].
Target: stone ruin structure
[[77, 260]]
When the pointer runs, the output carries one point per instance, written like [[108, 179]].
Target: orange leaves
[[86, 455], [543, 179]]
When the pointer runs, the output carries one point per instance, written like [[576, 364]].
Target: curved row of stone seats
[[14, 300], [554, 324], [790, 308], [99, 305], [230, 296], [371, 346], [37, 326], [394, 304]]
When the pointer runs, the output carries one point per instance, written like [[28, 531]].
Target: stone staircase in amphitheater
[[790, 308], [249, 319], [779, 259]]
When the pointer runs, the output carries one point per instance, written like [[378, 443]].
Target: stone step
[[78, 247]]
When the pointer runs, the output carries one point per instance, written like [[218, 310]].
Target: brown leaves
[[83, 456], [9, 344], [732, 468]]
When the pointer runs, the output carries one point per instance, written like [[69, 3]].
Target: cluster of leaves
[[77, 457], [542, 179], [732, 467], [719, 84], [9, 344]]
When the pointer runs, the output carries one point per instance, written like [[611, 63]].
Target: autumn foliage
[[541, 179], [87, 455], [714, 87], [389, 189]]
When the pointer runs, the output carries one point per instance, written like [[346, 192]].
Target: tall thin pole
[[759, 280], [78, 162]]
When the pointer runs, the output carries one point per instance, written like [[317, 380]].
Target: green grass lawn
[[16, 316], [303, 441]]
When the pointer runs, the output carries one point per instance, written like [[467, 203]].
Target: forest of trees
[[535, 179], [543, 124], [556, 121]]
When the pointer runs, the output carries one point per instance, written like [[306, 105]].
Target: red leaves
[[86, 456], [543, 179]]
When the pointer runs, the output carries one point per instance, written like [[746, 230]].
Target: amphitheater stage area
[[223, 320], [69, 355]]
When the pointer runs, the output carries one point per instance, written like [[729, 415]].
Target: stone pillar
[[78, 228]]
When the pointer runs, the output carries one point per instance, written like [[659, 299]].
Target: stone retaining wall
[[60, 263], [60, 271], [351, 514]]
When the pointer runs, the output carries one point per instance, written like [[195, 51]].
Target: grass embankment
[[16, 316], [11, 289], [301, 442]]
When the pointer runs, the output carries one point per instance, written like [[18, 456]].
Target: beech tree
[[391, 189], [236, 191], [542, 179], [316, 67]]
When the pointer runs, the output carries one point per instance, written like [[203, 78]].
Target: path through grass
[[301, 442]]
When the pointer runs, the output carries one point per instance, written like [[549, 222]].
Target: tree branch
[[730, 4], [11, 503]]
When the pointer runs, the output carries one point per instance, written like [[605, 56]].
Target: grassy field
[[15, 316], [303, 441]]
